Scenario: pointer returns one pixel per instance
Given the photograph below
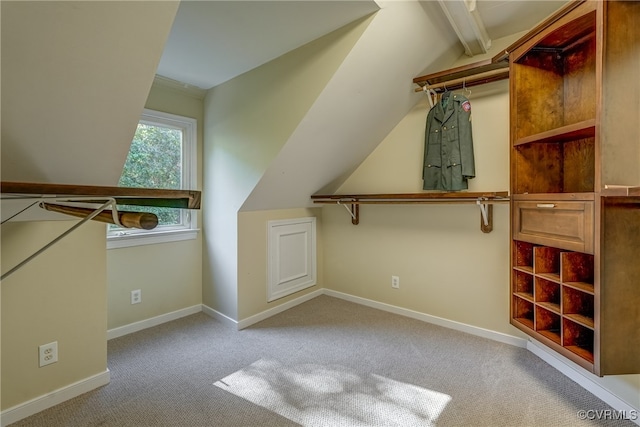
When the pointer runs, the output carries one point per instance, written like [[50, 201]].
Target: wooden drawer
[[561, 224]]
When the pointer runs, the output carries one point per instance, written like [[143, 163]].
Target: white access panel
[[291, 256]]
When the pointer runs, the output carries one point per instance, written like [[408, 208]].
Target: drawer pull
[[546, 205]]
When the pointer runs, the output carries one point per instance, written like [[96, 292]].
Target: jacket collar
[[443, 112]]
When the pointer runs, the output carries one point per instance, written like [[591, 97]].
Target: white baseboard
[[219, 316], [451, 324], [585, 380], [31, 407], [244, 323], [154, 321]]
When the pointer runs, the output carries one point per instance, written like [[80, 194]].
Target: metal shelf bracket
[[110, 202]]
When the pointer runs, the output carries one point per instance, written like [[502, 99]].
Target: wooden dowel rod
[[144, 220], [468, 80]]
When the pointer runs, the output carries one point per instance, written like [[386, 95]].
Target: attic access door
[[291, 256]]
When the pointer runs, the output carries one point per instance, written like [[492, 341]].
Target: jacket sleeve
[[426, 144], [466, 139]]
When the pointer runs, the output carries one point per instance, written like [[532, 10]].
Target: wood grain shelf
[[571, 132], [477, 73], [484, 200], [426, 197]]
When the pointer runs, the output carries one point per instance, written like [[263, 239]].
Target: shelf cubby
[[577, 339], [523, 285], [555, 167], [546, 262], [548, 324], [523, 311], [523, 256], [578, 306], [547, 294], [560, 70], [576, 271]]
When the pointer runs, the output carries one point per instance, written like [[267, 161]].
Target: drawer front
[[564, 225]]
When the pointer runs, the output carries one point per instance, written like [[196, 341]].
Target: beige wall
[[447, 266], [75, 75], [252, 258], [60, 296], [248, 120], [168, 274]]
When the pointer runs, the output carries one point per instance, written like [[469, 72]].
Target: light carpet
[[318, 395]]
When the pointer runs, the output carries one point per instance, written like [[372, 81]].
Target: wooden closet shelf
[[185, 199], [482, 199], [474, 74], [433, 197], [572, 132], [621, 191]]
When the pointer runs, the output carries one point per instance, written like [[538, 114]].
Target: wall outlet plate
[[48, 353], [136, 296]]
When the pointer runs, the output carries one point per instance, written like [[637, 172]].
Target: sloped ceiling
[[76, 75], [214, 41], [75, 78], [370, 93], [375, 80]]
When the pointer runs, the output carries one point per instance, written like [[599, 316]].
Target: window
[[162, 155]]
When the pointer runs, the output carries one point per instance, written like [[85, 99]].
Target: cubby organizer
[[553, 296]]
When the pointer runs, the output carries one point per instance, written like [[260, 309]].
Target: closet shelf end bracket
[[486, 215], [354, 210]]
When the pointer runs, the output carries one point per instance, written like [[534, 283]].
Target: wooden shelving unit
[[574, 272]]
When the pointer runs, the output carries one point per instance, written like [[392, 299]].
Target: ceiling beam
[[465, 19]]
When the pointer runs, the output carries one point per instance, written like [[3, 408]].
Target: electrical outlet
[[395, 282], [48, 353], [136, 296]]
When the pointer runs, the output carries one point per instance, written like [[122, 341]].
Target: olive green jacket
[[448, 149]]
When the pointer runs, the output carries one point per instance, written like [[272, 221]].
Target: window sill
[[151, 238]]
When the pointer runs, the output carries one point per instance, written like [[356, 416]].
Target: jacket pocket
[[432, 177], [433, 156]]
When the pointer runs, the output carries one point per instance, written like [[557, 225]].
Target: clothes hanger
[[467, 91]]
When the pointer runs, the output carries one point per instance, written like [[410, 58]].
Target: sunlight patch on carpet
[[317, 395]]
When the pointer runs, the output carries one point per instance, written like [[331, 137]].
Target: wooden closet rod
[[143, 220], [185, 199]]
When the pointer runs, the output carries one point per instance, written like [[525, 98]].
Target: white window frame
[[134, 237]]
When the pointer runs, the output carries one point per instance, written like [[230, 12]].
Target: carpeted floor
[[167, 375]]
